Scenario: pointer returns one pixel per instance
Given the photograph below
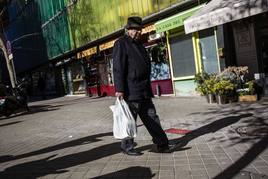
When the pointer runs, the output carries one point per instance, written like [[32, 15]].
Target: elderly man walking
[[132, 68]]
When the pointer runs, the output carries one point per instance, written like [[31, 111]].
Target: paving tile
[[180, 157], [225, 161], [251, 169], [166, 177], [81, 169], [153, 163], [181, 161], [154, 168], [153, 158], [166, 163], [260, 164], [195, 161], [63, 175], [166, 168], [76, 175], [208, 156], [200, 177], [154, 176], [182, 167], [50, 176], [197, 167], [242, 175], [210, 161], [183, 175], [263, 170], [202, 147], [198, 172], [165, 173]]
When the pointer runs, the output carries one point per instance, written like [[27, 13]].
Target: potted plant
[[203, 85], [222, 89], [210, 83], [199, 79], [247, 92]]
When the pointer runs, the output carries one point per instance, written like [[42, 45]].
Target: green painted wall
[[92, 19], [56, 30]]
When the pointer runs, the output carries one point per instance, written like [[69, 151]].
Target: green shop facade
[[189, 53]]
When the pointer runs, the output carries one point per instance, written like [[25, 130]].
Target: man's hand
[[120, 95]]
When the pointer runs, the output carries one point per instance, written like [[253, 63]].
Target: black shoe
[[132, 152]]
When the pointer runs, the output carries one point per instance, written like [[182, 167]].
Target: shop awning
[[175, 20], [218, 12]]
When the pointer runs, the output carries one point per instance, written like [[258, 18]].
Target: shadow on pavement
[[32, 110], [65, 101], [131, 172], [245, 160], [242, 162], [10, 123], [51, 165], [212, 127], [81, 141], [253, 130]]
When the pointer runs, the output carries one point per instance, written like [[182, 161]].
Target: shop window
[[159, 62], [207, 45], [77, 78], [109, 62], [182, 55]]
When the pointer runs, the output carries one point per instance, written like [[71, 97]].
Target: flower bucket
[[221, 99], [247, 98], [210, 98]]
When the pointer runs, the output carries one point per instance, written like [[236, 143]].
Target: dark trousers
[[146, 111]]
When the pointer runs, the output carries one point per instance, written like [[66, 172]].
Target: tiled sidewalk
[[71, 138]]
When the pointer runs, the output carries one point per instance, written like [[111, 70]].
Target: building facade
[[180, 38]]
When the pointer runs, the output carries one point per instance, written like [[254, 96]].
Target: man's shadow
[[77, 142], [212, 127]]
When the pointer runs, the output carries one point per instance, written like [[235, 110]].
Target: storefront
[[247, 21], [105, 68], [43, 81], [99, 68], [189, 53], [86, 76], [157, 49]]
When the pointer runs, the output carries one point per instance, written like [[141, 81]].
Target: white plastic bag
[[124, 123]]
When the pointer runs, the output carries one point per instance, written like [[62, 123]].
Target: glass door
[[209, 57]]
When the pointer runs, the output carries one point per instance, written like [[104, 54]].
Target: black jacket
[[132, 69]]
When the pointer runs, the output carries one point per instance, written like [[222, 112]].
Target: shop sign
[[174, 21], [147, 29], [87, 52], [155, 36], [107, 45]]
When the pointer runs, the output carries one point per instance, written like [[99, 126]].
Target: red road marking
[[177, 131]]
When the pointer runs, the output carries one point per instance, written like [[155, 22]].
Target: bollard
[[158, 90]]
